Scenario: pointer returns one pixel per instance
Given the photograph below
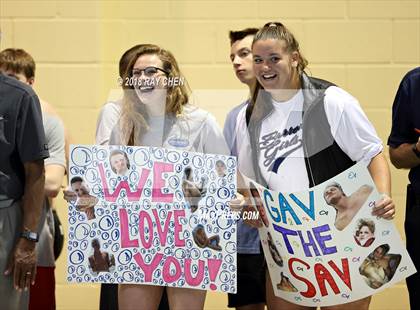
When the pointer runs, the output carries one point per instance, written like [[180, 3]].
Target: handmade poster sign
[[151, 216], [323, 247]]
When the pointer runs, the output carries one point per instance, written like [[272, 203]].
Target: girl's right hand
[[69, 195], [248, 216], [244, 205]]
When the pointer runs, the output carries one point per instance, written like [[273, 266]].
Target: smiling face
[[274, 67], [149, 86], [119, 163], [332, 195], [241, 58]]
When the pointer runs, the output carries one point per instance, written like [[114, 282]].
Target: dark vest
[[324, 159]]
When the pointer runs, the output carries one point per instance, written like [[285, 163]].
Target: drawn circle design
[[115, 235], [157, 273], [224, 276], [106, 223], [227, 235], [210, 201], [101, 155], [178, 195], [195, 254], [174, 182], [230, 247], [76, 257], [134, 177], [81, 156], [128, 276], [224, 287], [212, 188], [173, 156], [180, 253], [91, 175], [82, 231], [229, 259], [80, 270], [134, 229], [231, 163], [223, 193], [181, 282], [193, 221], [224, 223], [197, 161], [113, 182], [219, 206], [141, 157], [71, 270], [74, 171], [222, 183], [146, 204], [147, 192], [207, 253], [186, 234]]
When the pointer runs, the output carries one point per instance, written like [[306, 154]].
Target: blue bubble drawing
[[81, 156], [76, 257], [82, 231]]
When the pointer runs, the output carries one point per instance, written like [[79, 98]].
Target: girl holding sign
[[156, 113], [303, 131]]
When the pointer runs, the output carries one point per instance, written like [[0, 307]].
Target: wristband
[[30, 235]]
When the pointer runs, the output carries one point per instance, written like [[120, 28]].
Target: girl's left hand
[[384, 208]]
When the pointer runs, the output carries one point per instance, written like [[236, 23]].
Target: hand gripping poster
[[151, 216], [324, 247]]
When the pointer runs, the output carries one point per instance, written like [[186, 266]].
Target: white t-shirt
[[349, 125], [107, 119], [196, 130], [281, 160]]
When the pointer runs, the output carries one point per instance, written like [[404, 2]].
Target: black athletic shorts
[[251, 281]]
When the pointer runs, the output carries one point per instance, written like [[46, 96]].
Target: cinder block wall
[[363, 46]]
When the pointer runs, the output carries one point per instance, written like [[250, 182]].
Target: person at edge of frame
[[404, 152], [17, 63], [22, 180]]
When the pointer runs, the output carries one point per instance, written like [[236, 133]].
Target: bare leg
[[276, 303], [362, 304], [185, 298], [137, 296]]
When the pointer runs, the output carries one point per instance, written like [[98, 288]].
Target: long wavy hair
[[133, 122]]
